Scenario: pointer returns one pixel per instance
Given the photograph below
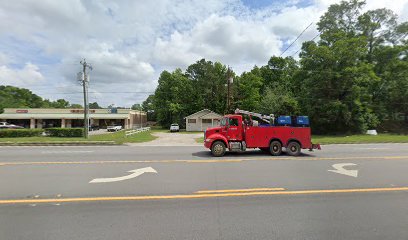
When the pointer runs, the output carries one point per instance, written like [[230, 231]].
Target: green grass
[[362, 138], [117, 137]]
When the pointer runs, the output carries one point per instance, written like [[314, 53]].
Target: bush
[[65, 132], [14, 133]]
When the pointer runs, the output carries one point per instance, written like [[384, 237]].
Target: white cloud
[[29, 74], [4, 59], [219, 38]]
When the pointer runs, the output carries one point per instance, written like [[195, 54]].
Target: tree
[[137, 106], [377, 26], [60, 103], [391, 93], [75, 105], [208, 82], [14, 97], [148, 107], [94, 105], [279, 71], [340, 21], [248, 90], [172, 98], [336, 82], [278, 101]]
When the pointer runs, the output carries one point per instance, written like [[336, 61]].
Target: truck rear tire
[[218, 149], [275, 148], [293, 149]]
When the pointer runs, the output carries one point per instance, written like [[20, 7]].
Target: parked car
[[5, 125], [114, 128], [174, 127], [93, 128]]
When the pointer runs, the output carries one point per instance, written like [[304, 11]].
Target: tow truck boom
[[266, 118]]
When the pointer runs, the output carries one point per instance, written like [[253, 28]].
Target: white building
[[202, 120], [68, 117]]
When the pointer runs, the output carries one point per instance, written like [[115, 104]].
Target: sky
[[130, 42]]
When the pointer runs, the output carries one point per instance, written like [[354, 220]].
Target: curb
[[93, 143]]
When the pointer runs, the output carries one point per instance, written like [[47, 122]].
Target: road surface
[[342, 192]]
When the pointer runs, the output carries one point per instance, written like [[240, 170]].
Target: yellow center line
[[240, 190], [226, 160], [194, 196]]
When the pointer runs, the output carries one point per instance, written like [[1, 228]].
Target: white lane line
[[58, 152]]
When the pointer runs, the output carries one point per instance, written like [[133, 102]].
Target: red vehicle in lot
[[236, 134]]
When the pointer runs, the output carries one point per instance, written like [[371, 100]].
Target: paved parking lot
[[172, 139]]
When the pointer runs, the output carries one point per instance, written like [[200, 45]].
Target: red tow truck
[[237, 133]]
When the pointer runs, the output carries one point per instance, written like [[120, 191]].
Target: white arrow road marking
[[339, 169], [135, 173]]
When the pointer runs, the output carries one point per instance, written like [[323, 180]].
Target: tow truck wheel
[[293, 149], [275, 148], [218, 149]]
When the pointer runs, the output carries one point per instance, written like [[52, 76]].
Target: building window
[[192, 120], [206, 120]]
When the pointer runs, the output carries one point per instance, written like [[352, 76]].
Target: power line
[[301, 48], [296, 39]]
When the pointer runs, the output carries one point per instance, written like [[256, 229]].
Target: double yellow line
[[205, 194]]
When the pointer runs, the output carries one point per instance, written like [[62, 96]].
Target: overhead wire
[[301, 48], [296, 39]]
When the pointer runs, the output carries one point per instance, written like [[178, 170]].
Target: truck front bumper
[[208, 142]]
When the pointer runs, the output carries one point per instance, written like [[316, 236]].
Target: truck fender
[[218, 137], [275, 139]]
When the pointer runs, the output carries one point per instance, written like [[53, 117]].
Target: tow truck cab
[[237, 134]]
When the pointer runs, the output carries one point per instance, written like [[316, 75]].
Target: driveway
[[172, 139]]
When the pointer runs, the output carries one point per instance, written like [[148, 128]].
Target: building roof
[[211, 115], [203, 112], [67, 113], [66, 110], [62, 115]]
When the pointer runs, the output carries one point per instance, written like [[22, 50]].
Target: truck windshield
[[223, 121]]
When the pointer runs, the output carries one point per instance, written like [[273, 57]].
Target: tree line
[[15, 97], [355, 77]]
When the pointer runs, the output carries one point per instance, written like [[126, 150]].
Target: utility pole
[[83, 78], [229, 82]]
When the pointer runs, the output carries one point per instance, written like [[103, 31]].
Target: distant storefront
[[69, 118]]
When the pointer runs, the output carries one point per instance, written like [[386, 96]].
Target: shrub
[[14, 133], [65, 132]]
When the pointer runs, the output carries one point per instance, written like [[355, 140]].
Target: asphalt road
[[45, 193]]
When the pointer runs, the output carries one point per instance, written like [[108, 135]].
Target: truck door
[[234, 131]]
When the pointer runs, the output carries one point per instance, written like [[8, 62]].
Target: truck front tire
[[218, 149], [293, 149], [275, 148]]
